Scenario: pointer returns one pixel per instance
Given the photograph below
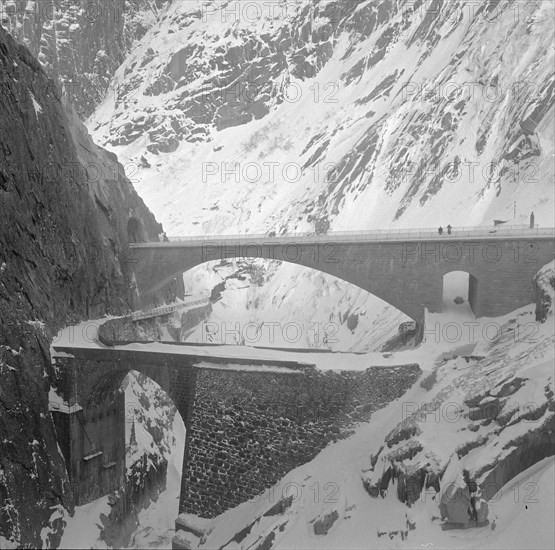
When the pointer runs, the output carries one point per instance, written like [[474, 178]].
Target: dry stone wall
[[248, 429]]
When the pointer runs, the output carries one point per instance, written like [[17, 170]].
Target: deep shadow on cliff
[[65, 211]]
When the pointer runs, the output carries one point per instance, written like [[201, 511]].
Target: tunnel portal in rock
[[136, 232]]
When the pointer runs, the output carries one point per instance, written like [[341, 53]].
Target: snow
[[83, 529], [245, 368], [36, 324], [525, 510], [181, 187], [147, 406], [157, 522], [36, 104], [7, 544], [57, 403], [296, 307], [237, 181], [457, 329], [85, 335], [323, 361], [81, 335], [332, 481], [507, 352]]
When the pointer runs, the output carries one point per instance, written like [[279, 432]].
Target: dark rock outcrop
[[63, 239], [544, 289]]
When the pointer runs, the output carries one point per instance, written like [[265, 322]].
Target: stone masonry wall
[[248, 429]]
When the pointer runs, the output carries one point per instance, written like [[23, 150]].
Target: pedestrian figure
[[449, 229], [440, 230], [532, 220], [472, 489]]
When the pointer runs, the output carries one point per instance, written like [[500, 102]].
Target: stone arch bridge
[[248, 420], [404, 268]]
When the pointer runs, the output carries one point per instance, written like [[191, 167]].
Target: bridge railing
[[164, 310], [501, 231]]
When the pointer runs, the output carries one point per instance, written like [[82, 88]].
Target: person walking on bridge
[[532, 220], [440, 230], [449, 229]]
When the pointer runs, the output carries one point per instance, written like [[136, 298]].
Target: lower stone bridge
[[404, 268], [248, 421]]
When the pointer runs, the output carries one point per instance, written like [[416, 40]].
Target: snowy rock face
[[149, 409], [492, 414], [60, 261], [344, 115], [80, 43], [544, 289]]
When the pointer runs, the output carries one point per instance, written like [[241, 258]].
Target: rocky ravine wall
[[61, 260], [80, 43]]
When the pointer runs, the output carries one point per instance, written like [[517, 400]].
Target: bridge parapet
[[477, 232], [405, 269]]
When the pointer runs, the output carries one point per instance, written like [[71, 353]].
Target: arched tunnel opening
[[135, 231]]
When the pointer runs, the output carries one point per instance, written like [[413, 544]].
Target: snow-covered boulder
[[544, 290]]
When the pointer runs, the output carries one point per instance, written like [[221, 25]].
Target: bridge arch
[[375, 283], [103, 380], [459, 287], [165, 441], [405, 273], [95, 444], [279, 320]]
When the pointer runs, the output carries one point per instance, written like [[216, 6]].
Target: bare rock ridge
[[79, 43], [63, 238]]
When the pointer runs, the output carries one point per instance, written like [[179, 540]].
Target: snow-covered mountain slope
[[438, 427], [348, 115]]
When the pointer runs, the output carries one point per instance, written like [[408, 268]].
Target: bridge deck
[[457, 233], [233, 357]]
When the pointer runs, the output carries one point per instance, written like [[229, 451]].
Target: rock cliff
[[80, 43], [64, 211]]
